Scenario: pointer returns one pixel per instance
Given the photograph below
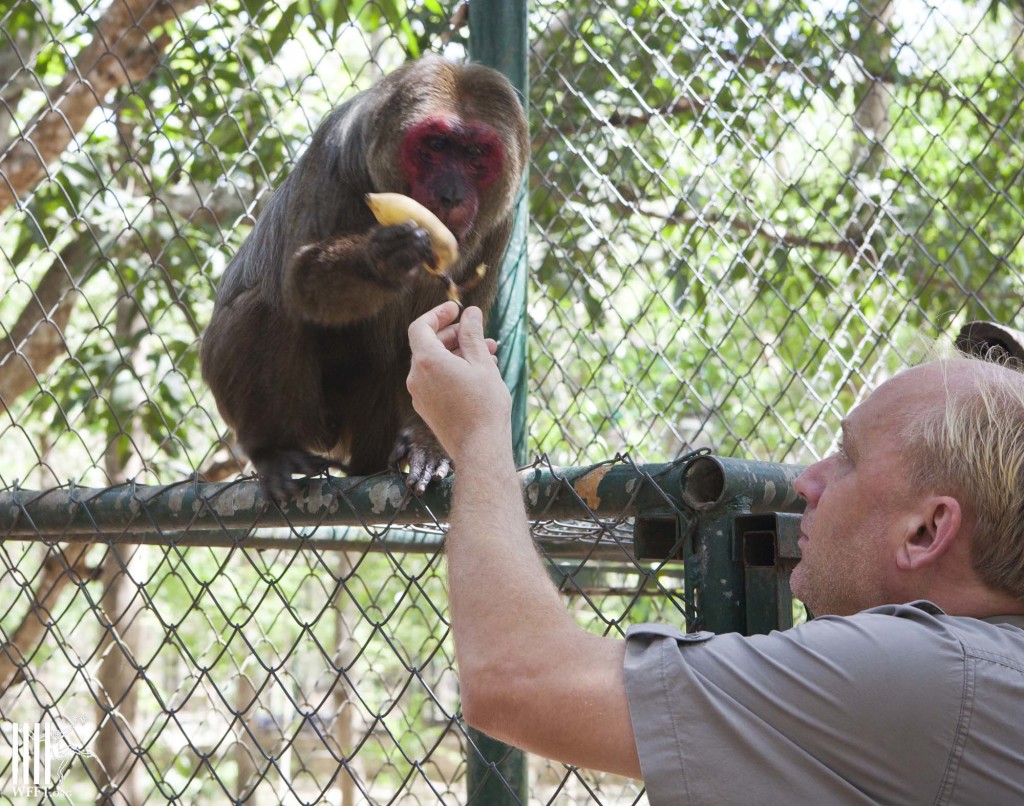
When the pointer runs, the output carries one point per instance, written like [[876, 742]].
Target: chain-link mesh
[[741, 217], [743, 211], [262, 673]]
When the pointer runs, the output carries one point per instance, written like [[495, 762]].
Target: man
[[907, 688]]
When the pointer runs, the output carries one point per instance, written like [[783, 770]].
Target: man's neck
[[979, 602]]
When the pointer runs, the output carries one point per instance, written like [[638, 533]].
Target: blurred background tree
[[739, 211]]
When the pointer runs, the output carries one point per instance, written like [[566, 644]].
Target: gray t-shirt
[[899, 704]]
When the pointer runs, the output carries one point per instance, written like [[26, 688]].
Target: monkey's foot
[[276, 467], [426, 459]]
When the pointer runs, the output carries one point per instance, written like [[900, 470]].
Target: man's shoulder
[[916, 633], [995, 632], [914, 637]]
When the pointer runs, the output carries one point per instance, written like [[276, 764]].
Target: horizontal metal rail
[[325, 510]]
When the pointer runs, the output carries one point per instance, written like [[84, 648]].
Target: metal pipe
[[609, 491], [612, 491], [711, 482]]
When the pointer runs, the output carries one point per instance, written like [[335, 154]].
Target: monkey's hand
[[417, 447], [397, 252], [394, 208]]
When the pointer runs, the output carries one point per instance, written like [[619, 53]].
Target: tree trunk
[[37, 338], [345, 653], [871, 117], [118, 776], [60, 567], [119, 768]]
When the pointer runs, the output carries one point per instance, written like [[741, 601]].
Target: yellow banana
[[394, 208]]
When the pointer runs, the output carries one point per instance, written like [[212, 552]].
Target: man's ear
[[930, 532]]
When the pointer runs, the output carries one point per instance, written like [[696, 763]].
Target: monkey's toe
[[425, 466], [278, 487], [426, 462]]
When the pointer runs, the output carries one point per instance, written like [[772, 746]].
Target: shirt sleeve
[[864, 709]]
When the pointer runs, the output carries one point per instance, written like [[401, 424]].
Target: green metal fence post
[[497, 774], [721, 593], [498, 39], [739, 562]]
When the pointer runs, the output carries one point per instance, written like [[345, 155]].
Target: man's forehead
[[897, 400], [925, 381], [915, 391]]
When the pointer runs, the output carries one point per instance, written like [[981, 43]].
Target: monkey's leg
[[276, 466]]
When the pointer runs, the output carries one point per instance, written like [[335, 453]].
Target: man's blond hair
[[973, 448]]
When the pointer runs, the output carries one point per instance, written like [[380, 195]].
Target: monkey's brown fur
[[307, 351]]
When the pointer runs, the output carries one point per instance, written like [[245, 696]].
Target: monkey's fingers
[[394, 208], [453, 291], [431, 267], [444, 467], [419, 470]]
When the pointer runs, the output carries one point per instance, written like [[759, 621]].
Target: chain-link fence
[[741, 217]]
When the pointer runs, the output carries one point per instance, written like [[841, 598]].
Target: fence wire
[[261, 673], [742, 216]]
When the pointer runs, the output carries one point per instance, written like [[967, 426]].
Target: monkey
[[307, 352]]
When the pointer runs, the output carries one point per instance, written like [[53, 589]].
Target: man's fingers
[[492, 348], [443, 328], [424, 332], [450, 339]]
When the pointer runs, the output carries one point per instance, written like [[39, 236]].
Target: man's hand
[[454, 381]]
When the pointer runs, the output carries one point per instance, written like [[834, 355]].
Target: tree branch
[[58, 570], [768, 231], [817, 77], [120, 52], [631, 118], [37, 337]]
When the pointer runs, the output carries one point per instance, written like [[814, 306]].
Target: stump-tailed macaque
[[307, 350]]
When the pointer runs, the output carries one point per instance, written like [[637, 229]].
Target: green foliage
[[747, 247]]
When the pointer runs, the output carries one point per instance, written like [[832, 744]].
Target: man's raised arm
[[529, 674]]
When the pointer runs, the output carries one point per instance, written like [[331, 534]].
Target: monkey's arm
[[348, 278]]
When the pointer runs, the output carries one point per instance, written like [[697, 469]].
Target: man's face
[[859, 503]]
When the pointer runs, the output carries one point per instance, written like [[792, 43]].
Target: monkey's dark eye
[[474, 151], [437, 143]]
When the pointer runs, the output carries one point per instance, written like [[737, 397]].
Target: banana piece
[[394, 208]]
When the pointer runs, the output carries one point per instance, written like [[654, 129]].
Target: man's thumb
[[471, 335]]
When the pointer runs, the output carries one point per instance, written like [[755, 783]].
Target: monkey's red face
[[449, 163]]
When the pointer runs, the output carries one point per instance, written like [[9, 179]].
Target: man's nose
[[810, 484]]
